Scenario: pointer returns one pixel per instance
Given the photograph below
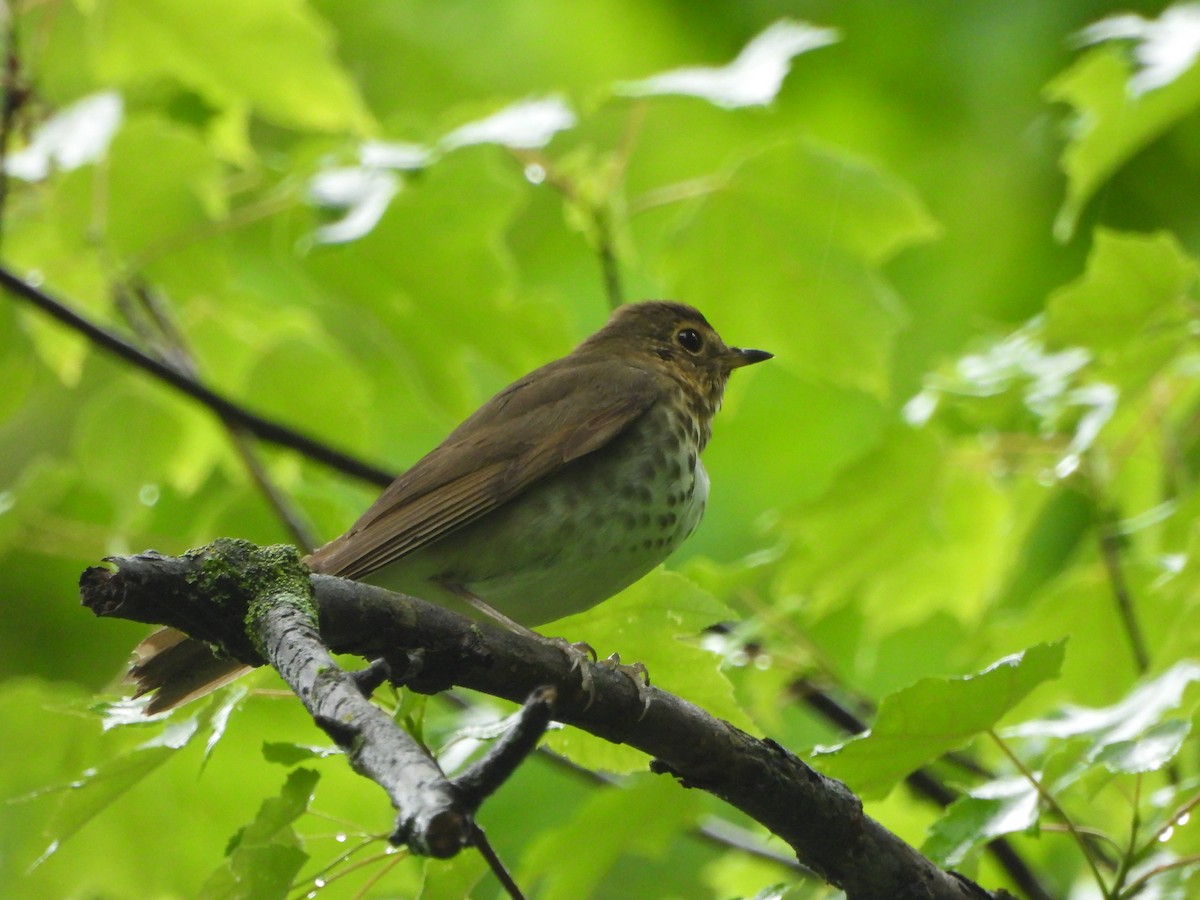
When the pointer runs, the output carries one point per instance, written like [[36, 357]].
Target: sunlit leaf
[[361, 194], [804, 273], [74, 136], [919, 723], [990, 811], [275, 56], [752, 79], [1143, 709], [1111, 123], [1150, 751], [264, 857], [217, 716], [527, 125], [1164, 48]]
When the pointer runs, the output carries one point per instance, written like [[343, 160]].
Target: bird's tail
[[178, 668]]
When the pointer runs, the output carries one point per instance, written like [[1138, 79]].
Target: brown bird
[[563, 489]]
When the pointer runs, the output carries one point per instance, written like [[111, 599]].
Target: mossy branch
[[430, 648]]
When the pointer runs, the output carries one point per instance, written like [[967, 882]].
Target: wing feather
[[524, 434]]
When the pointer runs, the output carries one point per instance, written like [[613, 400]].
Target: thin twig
[[174, 351], [606, 249], [1110, 553], [1052, 802], [502, 874], [264, 428], [676, 193], [1138, 883], [714, 830], [15, 94], [599, 214], [378, 876], [1170, 823]]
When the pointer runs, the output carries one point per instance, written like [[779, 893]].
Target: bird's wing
[[527, 432]]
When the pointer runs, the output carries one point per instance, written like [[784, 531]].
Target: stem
[[264, 428], [1129, 853], [14, 98], [1110, 553], [1140, 882], [1171, 822], [1054, 805]]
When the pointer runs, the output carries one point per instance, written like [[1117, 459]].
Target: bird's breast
[[583, 534]]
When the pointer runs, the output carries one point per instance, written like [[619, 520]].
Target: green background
[[955, 203]]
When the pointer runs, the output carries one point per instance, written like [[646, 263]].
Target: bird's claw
[[581, 654], [638, 674]]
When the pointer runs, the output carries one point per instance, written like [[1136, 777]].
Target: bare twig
[[482, 779], [713, 830], [599, 215], [228, 409], [15, 95], [173, 350], [484, 846], [1110, 553], [1051, 801]]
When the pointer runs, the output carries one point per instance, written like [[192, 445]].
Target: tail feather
[[178, 668]]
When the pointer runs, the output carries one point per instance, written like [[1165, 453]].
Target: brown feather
[[528, 432], [557, 414]]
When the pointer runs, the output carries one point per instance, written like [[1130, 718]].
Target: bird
[[561, 490]]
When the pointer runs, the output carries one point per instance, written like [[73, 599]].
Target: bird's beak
[[738, 357]]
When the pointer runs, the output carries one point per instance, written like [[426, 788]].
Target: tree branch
[[925, 784], [227, 409], [434, 648]]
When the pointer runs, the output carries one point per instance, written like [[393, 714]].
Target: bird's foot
[[581, 655], [635, 672]]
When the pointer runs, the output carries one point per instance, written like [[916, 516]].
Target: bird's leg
[[635, 672], [579, 653]]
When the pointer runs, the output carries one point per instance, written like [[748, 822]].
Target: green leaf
[[910, 528], [753, 79], [264, 857], [805, 273], [274, 56], [1152, 750], [146, 206], [640, 819], [101, 785], [1110, 124], [1131, 280], [1001, 807], [217, 715], [287, 754], [124, 409], [1132, 732], [916, 725], [656, 622]]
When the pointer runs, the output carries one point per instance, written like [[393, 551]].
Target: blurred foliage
[[966, 229]]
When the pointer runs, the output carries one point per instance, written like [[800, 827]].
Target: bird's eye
[[689, 340]]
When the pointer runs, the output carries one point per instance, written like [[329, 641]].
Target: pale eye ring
[[689, 339]]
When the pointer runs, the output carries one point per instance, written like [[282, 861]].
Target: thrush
[[566, 487]]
